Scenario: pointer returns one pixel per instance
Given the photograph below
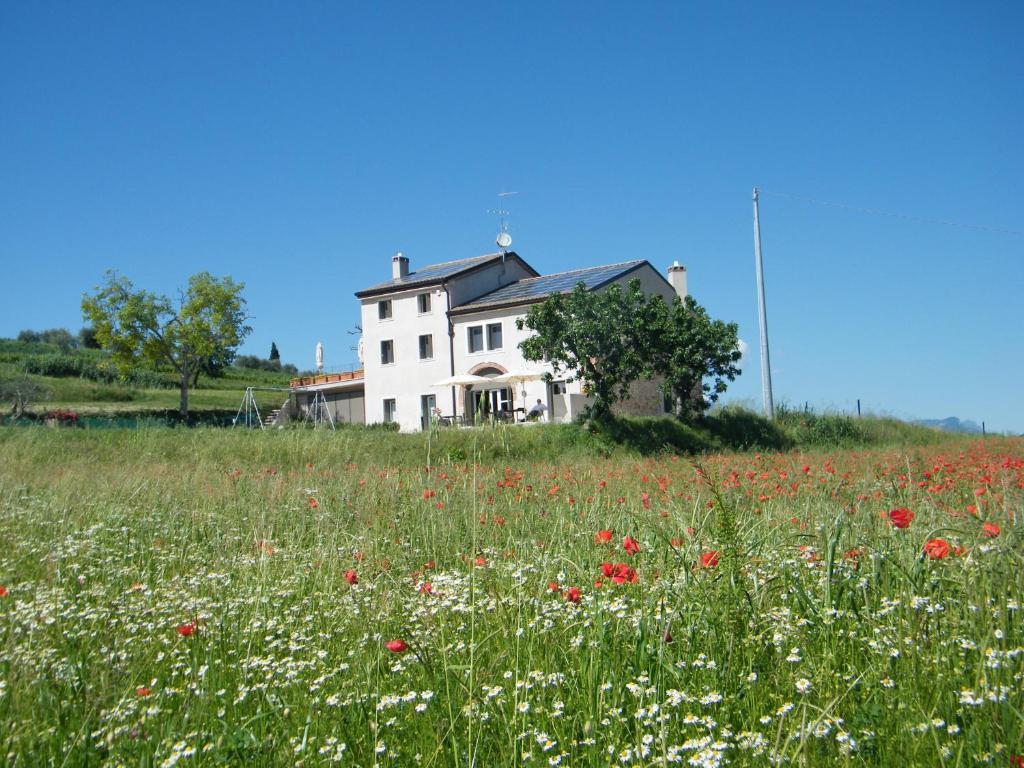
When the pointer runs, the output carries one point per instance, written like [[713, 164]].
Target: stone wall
[[645, 399]]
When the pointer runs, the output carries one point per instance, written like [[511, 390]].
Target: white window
[[476, 338], [494, 336], [387, 352], [384, 309], [423, 303], [426, 347], [390, 411]]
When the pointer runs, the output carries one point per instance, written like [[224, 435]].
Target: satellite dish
[[504, 240]]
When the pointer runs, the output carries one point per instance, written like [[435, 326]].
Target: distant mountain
[[951, 424]]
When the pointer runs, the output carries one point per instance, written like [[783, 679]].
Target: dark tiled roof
[[536, 288], [434, 273]]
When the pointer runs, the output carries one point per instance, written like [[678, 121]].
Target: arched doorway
[[484, 402]]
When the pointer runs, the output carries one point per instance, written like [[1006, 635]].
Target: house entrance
[[484, 403]]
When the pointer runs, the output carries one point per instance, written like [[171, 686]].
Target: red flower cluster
[[631, 545], [620, 573], [936, 549], [901, 517], [603, 537]]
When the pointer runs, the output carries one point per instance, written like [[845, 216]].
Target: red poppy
[[631, 545], [480, 562], [603, 537], [351, 577], [709, 559], [426, 587], [572, 594], [553, 586], [312, 503], [623, 574], [185, 630], [936, 549], [990, 530], [676, 542], [607, 569], [900, 517], [396, 646], [3, 591], [143, 691]]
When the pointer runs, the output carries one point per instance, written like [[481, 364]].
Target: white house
[[459, 317]]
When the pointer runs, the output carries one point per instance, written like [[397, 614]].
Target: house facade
[[424, 326]]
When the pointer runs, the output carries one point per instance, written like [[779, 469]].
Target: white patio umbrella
[[518, 377], [462, 380]]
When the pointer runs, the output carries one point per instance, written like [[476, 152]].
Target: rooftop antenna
[[504, 239]]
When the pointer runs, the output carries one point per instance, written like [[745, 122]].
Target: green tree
[[58, 337], [693, 354], [595, 337], [274, 354], [204, 328], [87, 338], [21, 392]]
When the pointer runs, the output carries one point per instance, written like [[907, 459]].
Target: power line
[[891, 214]]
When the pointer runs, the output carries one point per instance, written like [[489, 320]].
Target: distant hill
[[951, 424]]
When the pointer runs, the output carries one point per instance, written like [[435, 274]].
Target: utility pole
[[766, 368]]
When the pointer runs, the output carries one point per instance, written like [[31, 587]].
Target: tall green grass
[[217, 597]]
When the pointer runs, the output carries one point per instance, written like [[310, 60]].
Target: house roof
[[438, 273], [534, 289]]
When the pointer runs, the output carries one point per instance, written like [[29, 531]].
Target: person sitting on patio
[[536, 410]]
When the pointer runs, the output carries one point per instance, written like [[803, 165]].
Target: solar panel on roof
[[431, 272], [538, 287]]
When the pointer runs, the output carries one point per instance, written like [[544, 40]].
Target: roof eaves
[[469, 309], [478, 262]]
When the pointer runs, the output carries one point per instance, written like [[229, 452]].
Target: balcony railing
[[325, 378]]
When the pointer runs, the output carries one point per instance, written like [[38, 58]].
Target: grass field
[[211, 597], [90, 397]]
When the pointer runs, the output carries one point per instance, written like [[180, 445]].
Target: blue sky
[[297, 146]]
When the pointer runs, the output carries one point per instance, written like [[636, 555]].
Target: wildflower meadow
[[203, 598]]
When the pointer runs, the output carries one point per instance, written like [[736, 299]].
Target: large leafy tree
[[594, 337], [693, 355], [608, 339], [203, 329]]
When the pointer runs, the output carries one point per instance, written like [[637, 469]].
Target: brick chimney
[[677, 277], [400, 266]]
